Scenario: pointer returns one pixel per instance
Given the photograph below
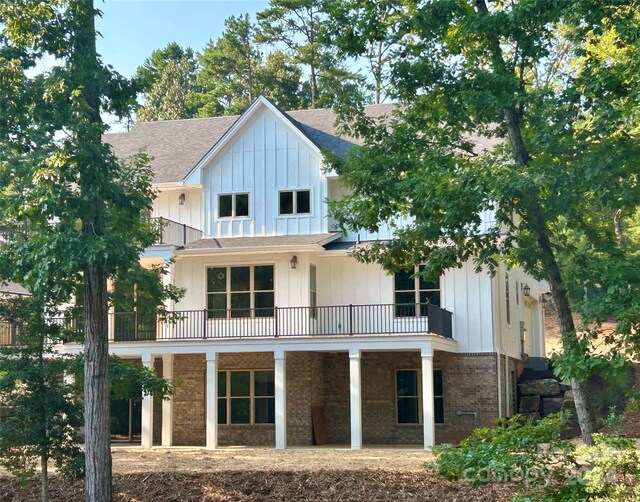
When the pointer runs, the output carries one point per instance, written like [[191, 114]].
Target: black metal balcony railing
[[279, 322], [172, 233], [350, 320]]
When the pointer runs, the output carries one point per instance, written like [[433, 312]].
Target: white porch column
[[428, 421], [147, 409], [167, 404], [354, 392], [280, 381], [212, 400]]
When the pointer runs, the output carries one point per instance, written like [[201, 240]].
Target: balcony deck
[[172, 233], [342, 320]]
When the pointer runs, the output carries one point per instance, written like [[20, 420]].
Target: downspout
[[496, 327]]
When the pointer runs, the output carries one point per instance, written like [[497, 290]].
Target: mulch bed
[[325, 485]]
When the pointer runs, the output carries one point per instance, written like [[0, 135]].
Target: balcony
[[343, 320], [172, 233]]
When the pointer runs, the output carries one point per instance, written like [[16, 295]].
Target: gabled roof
[[12, 288], [177, 146]]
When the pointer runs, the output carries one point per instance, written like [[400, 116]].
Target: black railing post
[[184, 235], [161, 230], [275, 320], [350, 319], [204, 324]]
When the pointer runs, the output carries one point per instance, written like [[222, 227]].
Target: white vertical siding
[[266, 156], [167, 206]]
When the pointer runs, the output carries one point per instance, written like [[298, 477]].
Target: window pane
[[303, 202], [241, 411], [263, 278], [222, 410], [216, 280], [222, 383], [264, 304], [286, 202], [263, 383], [265, 410], [242, 204], [217, 306], [225, 206], [405, 310], [404, 281], [437, 383], [432, 297], [240, 304], [405, 304], [438, 412], [429, 284], [407, 383], [240, 383], [240, 279], [408, 410]]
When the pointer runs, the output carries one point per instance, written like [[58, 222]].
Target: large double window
[[240, 291], [294, 202], [233, 205], [409, 397], [411, 289], [246, 397]]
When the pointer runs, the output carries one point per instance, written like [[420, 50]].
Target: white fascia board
[[293, 344], [195, 175]]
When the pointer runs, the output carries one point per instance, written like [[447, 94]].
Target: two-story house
[[282, 337]]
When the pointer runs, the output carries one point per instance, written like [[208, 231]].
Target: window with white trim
[[232, 205], [412, 289], [246, 397], [294, 202], [240, 291], [409, 397]]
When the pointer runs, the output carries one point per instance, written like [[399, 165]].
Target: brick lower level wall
[[322, 379]]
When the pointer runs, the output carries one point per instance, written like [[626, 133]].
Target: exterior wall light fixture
[[181, 199], [526, 290], [294, 262]]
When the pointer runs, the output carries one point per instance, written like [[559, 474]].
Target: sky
[[132, 29]]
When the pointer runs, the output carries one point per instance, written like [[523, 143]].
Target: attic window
[[295, 202], [233, 204]]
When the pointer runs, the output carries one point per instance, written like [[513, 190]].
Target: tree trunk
[[88, 137], [44, 479], [617, 223], [96, 388], [314, 87], [533, 212]]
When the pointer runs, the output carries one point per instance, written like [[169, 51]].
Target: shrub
[[516, 451]]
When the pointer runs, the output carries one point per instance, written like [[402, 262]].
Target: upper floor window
[[240, 291], [411, 289], [233, 204], [295, 202]]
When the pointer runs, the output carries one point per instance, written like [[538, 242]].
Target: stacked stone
[[539, 398]]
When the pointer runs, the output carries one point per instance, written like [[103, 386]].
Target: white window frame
[[233, 205], [416, 294], [252, 397], [295, 213], [419, 377], [252, 291]]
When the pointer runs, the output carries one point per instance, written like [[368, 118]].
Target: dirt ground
[[262, 474], [131, 460]]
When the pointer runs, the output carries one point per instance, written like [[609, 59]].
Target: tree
[[45, 414], [279, 80], [84, 209], [229, 68], [168, 98], [300, 26], [154, 66], [462, 70]]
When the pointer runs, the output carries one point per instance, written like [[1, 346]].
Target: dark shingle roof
[[176, 146], [11, 288], [258, 242]]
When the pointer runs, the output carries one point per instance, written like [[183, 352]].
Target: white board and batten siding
[[344, 281], [167, 205], [264, 158]]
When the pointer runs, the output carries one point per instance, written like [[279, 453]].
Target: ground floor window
[[246, 397], [409, 396]]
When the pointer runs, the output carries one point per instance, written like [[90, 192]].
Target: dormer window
[[233, 205], [295, 202]]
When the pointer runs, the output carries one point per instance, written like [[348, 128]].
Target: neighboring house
[[283, 338], [8, 327]]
